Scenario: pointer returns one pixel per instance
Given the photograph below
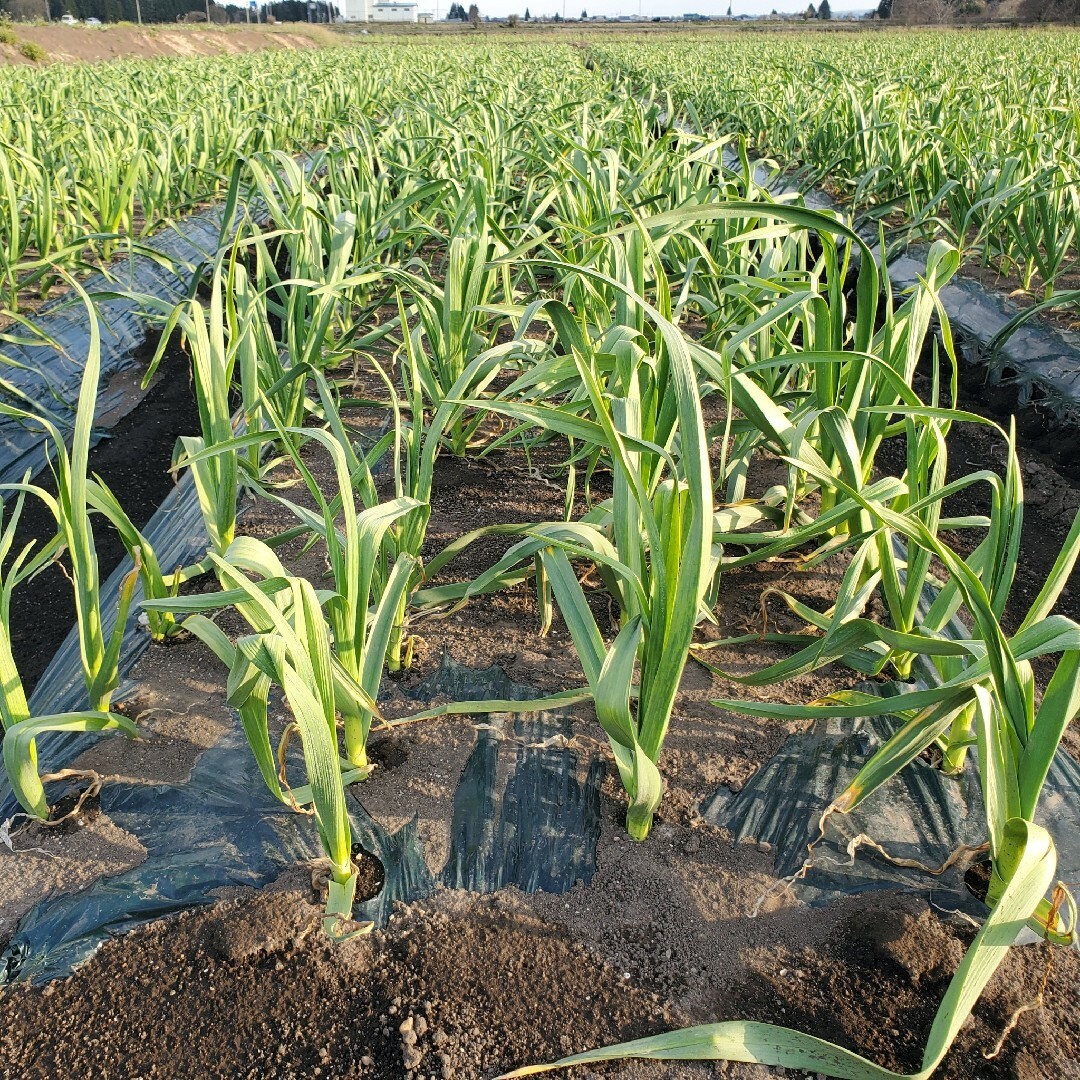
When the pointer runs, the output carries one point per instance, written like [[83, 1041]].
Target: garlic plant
[[594, 277]]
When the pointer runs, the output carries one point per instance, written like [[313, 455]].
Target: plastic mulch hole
[[526, 812], [920, 815]]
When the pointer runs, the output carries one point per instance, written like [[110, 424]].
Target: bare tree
[[922, 11]]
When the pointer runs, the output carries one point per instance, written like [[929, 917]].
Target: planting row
[[587, 282], [970, 137], [93, 156]]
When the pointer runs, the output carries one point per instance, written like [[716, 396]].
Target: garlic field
[[592, 610], [972, 138]]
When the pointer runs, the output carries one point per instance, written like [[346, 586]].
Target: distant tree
[[25, 10], [824, 11], [557, 18], [527, 15], [923, 11], [584, 14], [884, 9], [729, 11], [282, 10], [474, 16], [512, 21], [810, 13], [153, 11], [1049, 10]]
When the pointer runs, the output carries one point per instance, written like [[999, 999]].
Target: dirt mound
[[459, 987], [75, 44], [464, 986]]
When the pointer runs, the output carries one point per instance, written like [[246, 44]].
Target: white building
[[400, 11], [354, 10], [391, 11]]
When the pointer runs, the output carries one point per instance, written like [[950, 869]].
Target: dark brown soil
[[466, 986], [134, 461], [877, 983], [461, 987], [662, 935]]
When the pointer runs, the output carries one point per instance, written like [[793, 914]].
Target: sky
[[648, 8]]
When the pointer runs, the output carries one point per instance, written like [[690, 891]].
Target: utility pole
[[138, 11], [207, 12]]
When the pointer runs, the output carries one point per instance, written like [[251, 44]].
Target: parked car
[[69, 20], [93, 22]]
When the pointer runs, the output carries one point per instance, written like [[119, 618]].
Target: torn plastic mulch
[[526, 812], [1042, 361], [920, 816]]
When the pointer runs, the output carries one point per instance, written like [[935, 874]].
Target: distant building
[[394, 11], [402, 11]]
